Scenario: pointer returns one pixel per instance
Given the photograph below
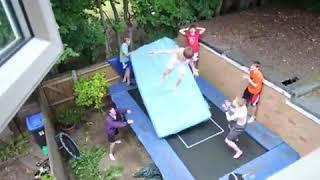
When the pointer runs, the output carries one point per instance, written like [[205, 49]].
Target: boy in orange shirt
[[253, 90]]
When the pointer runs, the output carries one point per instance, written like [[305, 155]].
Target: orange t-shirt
[[257, 77]]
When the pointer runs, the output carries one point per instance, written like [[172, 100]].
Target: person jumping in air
[[180, 59], [238, 122], [112, 123], [192, 35]]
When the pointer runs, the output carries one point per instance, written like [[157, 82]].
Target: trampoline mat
[[210, 158]]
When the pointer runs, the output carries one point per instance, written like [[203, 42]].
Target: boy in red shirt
[[192, 35], [254, 88]]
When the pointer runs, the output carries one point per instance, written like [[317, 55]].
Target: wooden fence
[[59, 90]]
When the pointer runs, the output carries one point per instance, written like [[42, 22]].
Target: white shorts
[[195, 56], [177, 64]]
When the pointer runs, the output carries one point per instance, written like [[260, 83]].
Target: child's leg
[[181, 76], [128, 72], [165, 73], [171, 65], [254, 102], [124, 67], [197, 64], [111, 156], [234, 147], [196, 59]]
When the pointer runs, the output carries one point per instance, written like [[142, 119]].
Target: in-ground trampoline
[[199, 152]]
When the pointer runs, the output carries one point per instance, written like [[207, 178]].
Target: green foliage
[[18, 146], [90, 92], [69, 116], [82, 31], [113, 173], [47, 177], [87, 167], [204, 9], [164, 17], [67, 53], [119, 26], [6, 32], [161, 17]]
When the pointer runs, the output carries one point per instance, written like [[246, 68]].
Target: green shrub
[[87, 167], [47, 177], [90, 92], [69, 116], [165, 17]]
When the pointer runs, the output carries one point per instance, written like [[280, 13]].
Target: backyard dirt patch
[[16, 171], [130, 154], [285, 41], [24, 166]]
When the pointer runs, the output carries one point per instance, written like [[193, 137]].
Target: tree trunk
[[218, 10], [104, 24], [117, 20], [127, 19], [126, 10], [130, 34], [114, 10]]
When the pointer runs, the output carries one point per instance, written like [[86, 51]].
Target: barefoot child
[[180, 59], [252, 93], [192, 35], [239, 118], [112, 123], [125, 61]]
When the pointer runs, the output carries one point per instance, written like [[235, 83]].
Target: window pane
[[9, 34], [14, 28]]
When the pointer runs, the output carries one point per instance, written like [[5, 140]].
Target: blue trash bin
[[35, 125]]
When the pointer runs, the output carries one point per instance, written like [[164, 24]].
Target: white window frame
[[13, 27], [23, 71]]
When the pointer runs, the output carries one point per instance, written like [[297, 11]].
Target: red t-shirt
[[193, 41]]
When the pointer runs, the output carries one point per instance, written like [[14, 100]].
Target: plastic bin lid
[[35, 121]]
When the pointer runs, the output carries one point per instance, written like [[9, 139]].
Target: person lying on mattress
[[112, 123], [239, 118], [180, 59]]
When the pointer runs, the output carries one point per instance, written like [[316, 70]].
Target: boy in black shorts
[[239, 119], [255, 83]]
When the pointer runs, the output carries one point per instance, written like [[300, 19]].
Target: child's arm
[[121, 110], [183, 31], [231, 117], [250, 81], [118, 124], [201, 30]]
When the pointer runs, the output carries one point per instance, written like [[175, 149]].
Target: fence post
[[74, 75]]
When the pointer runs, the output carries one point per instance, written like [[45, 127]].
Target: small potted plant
[[68, 118]]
